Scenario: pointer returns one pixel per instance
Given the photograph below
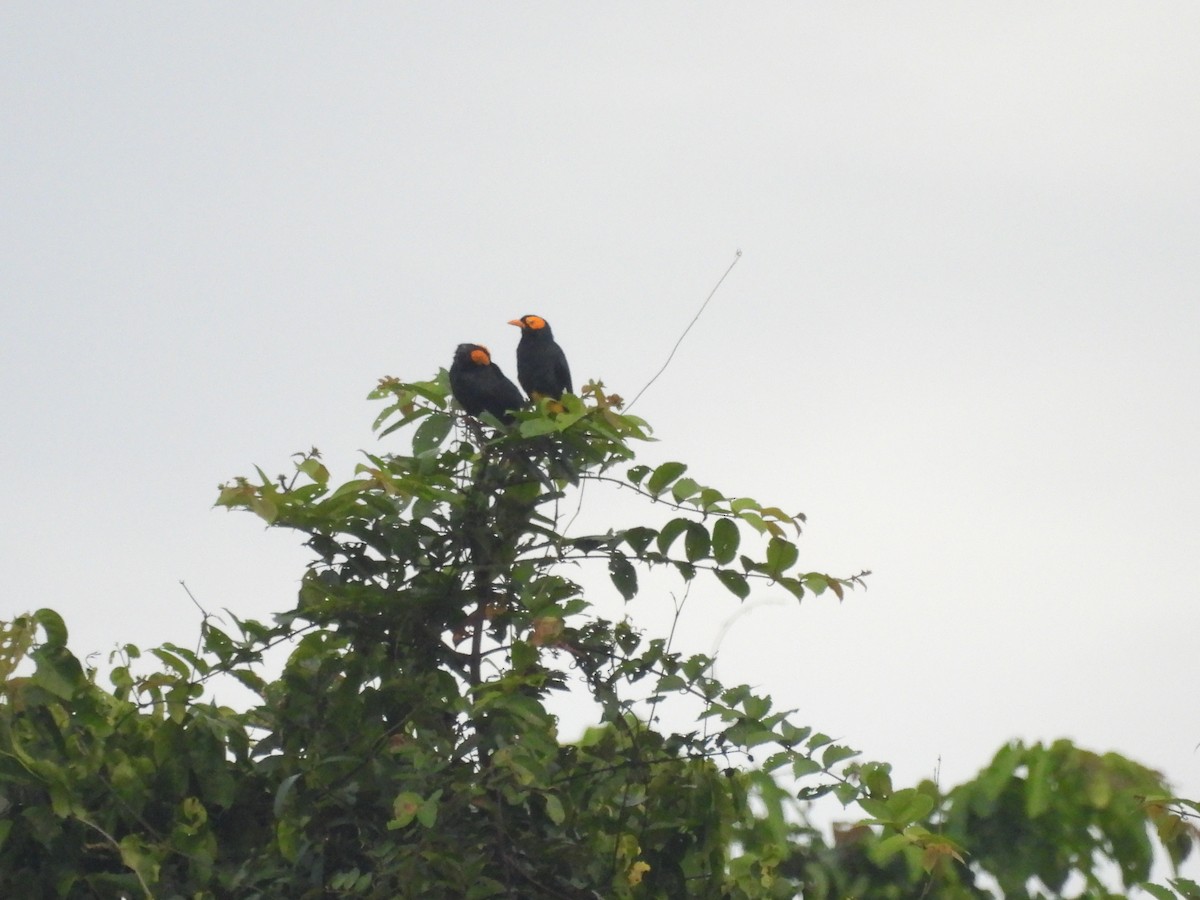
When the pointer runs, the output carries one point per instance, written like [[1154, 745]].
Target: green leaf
[[573, 411], [1037, 787], [16, 638], [58, 672], [670, 683], [344, 881], [876, 778], [696, 544], [818, 740], [637, 473], [408, 418], [836, 753], [663, 476], [639, 538], [173, 661], [263, 506], [140, 858], [754, 520], [876, 809], [623, 575], [804, 765], [736, 695], [1099, 790], [430, 434], [554, 809], [781, 556], [774, 512], [314, 469], [734, 582], [684, 488], [890, 846], [427, 814], [725, 540], [289, 834], [1157, 891], [283, 793], [909, 805], [792, 735], [537, 427], [356, 486], [794, 585], [669, 532], [52, 623], [816, 582]]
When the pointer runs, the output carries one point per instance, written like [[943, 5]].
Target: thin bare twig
[[716, 287], [117, 847], [192, 597]]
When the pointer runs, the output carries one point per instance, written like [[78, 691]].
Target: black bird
[[541, 364], [479, 386]]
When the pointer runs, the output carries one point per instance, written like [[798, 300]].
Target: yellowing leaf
[[546, 630], [404, 809], [637, 870], [937, 851]]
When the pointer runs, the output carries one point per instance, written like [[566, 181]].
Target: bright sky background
[[963, 337]]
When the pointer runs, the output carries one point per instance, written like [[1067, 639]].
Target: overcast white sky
[[963, 336]]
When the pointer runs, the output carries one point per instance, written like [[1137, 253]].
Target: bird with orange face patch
[[541, 364], [479, 386]]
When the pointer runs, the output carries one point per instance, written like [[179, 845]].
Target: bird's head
[[531, 325], [474, 353]]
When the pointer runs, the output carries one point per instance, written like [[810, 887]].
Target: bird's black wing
[[509, 394], [562, 372]]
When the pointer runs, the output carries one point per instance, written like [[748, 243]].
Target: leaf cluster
[[407, 747], [1036, 821]]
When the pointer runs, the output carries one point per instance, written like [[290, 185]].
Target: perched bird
[[541, 364], [479, 386]]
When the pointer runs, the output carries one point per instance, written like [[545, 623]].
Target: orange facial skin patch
[[533, 323]]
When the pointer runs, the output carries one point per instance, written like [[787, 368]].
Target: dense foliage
[[407, 747], [1039, 821]]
